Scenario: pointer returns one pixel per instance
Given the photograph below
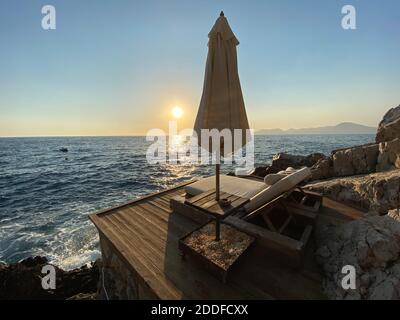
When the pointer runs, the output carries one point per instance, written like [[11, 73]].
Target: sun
[[177, 112]]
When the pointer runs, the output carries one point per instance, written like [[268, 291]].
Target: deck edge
[[94, 215]]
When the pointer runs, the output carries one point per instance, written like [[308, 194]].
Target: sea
[[46, 195]]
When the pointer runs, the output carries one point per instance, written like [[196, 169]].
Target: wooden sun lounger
[[274, 236]]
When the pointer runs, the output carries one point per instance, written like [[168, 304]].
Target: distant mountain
[[342, 128]]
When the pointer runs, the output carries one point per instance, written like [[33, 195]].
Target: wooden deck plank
[[184, 223], [200, 196], [179, 187], [207, 197], [137, 253], [162, 202], [135, 262], [148, 231]]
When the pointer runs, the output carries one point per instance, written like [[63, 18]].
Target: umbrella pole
[[217, 187], [217, 168]]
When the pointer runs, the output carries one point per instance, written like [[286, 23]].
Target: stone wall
[[354, 161], [389, 127], [341, 163], [377, 192], [347, 162], [372, 246], [119, 282], [389, 155], [388, 137]]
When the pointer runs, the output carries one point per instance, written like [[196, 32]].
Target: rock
[[323, 169], [312, 159], [381, 156], [84, 296], [372, 246], [388, 289], [377, 192], [352, 161], [282, 161], [323, 252], [389, 127], [394, 214], [389, 155], [365, 280], [260, 171], [347, 162], [32, 262], [23, 280], [82, 280], [355, 161], [382, 246]]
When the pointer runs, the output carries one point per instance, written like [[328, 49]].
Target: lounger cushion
[[241, 187], [278, 188], [272, 178]]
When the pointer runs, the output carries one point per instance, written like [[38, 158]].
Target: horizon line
[[143, 136]]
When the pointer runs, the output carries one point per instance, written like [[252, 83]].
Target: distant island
[[342, 128]]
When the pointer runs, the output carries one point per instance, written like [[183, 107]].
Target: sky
[[119, 67]]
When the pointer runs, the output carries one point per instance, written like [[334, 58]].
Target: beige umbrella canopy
[[222, 105]]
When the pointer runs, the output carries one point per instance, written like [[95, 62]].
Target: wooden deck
[[145, 233]]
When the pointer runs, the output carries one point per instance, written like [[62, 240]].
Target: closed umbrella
[[222, 105]]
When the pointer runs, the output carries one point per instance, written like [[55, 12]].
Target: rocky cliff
[[376, 192], [372, 247], [389, 127], [367, 176], [23, 281], [384, 155]]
